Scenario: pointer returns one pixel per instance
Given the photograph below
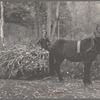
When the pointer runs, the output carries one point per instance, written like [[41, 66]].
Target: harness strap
[[78, 46], [92, 44]]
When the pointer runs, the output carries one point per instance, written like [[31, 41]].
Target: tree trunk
[[58, 23], [89, 17], [55, 23], [37, 19], [89, 12], [74, 14], [2, 23], [89, 25], [49, 18]]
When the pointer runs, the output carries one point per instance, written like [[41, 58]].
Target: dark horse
[[67, 49]]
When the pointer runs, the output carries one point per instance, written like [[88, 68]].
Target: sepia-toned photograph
[[49, 49]]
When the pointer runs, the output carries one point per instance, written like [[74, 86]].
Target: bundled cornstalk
[[20, 62]]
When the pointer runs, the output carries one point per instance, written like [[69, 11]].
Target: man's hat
[[43, 27]]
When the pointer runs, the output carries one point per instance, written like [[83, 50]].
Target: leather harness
[[79, 45], [92, 44]]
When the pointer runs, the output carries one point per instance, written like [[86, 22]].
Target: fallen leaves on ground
[[20, 89]]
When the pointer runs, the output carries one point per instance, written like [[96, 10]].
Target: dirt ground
[[51, 88]]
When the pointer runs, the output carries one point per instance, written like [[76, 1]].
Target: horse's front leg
[[57, 68], [87, 68]]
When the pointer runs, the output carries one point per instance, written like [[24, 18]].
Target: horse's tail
[[51, 64]]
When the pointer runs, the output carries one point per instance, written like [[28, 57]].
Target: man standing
[[44, 41]]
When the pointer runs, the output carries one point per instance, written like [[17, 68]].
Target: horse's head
[[97, 43]]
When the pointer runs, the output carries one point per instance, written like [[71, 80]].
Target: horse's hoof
[[62, 80], [88, 84]]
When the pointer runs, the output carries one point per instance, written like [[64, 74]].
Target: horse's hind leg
[[87, 68], [52, 71], [51, 65]]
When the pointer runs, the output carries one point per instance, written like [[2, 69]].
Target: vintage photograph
[[49, 49]]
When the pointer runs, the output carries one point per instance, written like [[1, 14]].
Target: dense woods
[[62, 20], [22, 24], [24, 64]]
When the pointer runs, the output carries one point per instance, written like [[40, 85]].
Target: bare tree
[[37, 19], [56, 21], [49, 18], [74, 11], [89, 17], [2, 23]]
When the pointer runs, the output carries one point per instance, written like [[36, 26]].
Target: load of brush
[[21, 62]]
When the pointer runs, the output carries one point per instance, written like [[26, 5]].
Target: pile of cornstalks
[[20, 62]]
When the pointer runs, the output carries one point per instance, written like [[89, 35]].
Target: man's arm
[[48, 42], [39, 41]]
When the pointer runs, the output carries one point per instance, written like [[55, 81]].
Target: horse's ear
[[97, 25], [94, 33]]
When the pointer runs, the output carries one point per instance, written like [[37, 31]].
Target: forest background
[[23, 25]]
